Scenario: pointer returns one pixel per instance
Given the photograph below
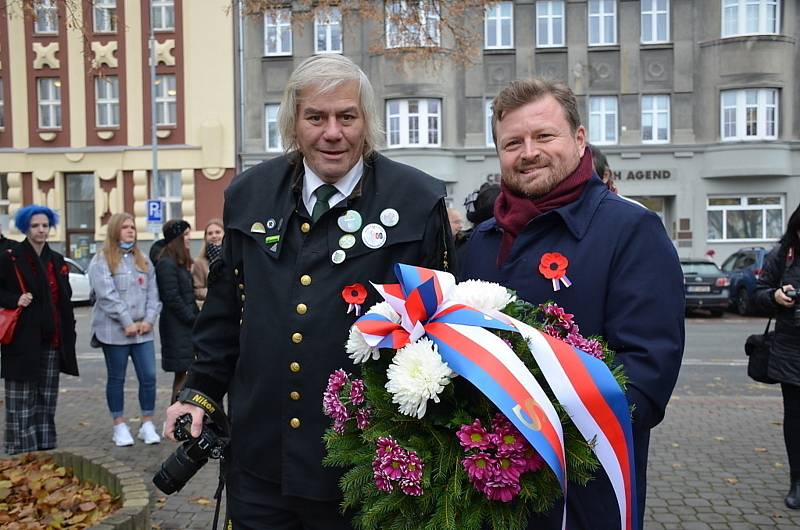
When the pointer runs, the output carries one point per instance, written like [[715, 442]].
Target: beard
[[549, 175]]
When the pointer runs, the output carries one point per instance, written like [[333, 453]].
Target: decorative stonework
[[140, 197], [104, 54], [164, 52], [45, 55], [188, 207], [47, 136], [163, 133], [14, 193], [74, 156], [213, 173], [105, 135]]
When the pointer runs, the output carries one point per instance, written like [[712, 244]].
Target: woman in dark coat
[[776, 291], [179, 309], [44, 339]]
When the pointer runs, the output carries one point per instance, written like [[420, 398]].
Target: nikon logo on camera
[[204, 403]]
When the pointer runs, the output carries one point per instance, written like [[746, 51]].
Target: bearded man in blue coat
[[624, 276]]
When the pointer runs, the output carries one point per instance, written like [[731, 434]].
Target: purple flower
[[386, 446], [480, 466], [413, 467], [410, 487], [393, 463], [509, 441], [501, 490], [474, 436], [509, 468], [533, 460], [357, 392], [362, 417]]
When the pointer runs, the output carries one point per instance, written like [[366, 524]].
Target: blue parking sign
[[155, 211]]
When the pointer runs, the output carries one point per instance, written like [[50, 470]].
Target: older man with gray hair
[[330, 213]]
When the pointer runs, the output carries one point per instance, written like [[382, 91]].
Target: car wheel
[[742, 302]]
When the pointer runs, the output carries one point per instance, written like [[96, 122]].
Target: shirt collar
[[344, 185]]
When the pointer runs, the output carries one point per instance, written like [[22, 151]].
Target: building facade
[[76, 105], [695, 103]]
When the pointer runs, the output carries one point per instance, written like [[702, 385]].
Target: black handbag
[[758, 347]]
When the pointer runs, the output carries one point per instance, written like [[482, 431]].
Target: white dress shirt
[[344, 186]]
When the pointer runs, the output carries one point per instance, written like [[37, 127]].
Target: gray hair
[[326, 73]]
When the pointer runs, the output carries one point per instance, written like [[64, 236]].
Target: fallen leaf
[[761, 449], [87, 506], [732, 481], [719, 438]]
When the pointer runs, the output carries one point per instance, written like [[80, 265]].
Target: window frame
[[740, 117], [165, 102], [326, 27], [278, 147], [654, 113], [602, 40], [166, 7], [101, 85], [551, 24], [46, 18], [745, 206], [497, 21], [654, 13], [278, 20], [423, 120], [107, 9], [52, 105], [170, 201], [602, 113], [426, 17], [741, 19], [488, 123]]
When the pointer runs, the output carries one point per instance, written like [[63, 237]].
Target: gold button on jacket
[[305, 279], [295, 395], [294, 367], [295, 423], [305, 227], [302, 309], [297, 338]]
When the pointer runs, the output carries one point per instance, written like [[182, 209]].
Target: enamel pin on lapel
[[373, 235], [350, 222], [258, 228], [389, 217]]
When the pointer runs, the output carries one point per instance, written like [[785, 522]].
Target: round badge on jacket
[[373, 235]]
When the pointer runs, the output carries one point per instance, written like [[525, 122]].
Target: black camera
[[187, 460]]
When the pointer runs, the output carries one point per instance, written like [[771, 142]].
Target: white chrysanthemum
[[384, 309], [483, 296], [416, 375], [358, 348]]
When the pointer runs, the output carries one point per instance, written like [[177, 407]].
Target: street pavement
[[716, 462]]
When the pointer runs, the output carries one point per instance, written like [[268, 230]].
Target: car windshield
[[699, 268]]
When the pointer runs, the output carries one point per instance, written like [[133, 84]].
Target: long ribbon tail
[[587, 390], [487, 362]]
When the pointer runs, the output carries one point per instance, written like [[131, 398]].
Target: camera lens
[[176, 471]]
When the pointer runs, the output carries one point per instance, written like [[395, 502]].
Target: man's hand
[[781, 298], [131, 330], [177, 410], [145, 327]]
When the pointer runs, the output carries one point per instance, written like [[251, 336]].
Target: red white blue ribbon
[[584, 385]]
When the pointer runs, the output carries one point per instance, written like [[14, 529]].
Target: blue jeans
[[144, 361]]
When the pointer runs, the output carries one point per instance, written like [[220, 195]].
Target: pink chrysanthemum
[[357, 392], [362, 417], [410, 487], [501, 490], [413, 468], [474, 436], [480, 466], [533, 460], [509, 468]]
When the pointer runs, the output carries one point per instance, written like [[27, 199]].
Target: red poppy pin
[[553, 266], [354, 295], [64, 270]]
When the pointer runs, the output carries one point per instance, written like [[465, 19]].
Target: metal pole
[[153, 126]]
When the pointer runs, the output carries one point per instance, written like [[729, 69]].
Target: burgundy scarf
[[514, 212]]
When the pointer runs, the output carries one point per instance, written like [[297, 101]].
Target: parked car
[[79, 281], [706, 286], [743, 268]]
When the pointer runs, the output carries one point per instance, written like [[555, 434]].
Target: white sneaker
[[147, 433], [122, 435]]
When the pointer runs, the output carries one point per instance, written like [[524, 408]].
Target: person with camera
[[777, 292], [299, 229]]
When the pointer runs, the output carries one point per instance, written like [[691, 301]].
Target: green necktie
[[323, 194]]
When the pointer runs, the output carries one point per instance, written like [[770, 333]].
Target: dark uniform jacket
[[34, 331], [784, 359], [274, 323], [627, 286], [178, 313]]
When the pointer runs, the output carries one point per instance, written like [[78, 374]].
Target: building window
[[488, 124], [328, 31], [46, 17], [603, 120], [278, 32], [755, 217], [413, 122], [749, 114], [411, 24], [602, 22], [655, 21], [2, 107], [5, 204], [106, 93], [163, 13], [166, 100], [49, 91], [749, 17], [105, 16], [167, 188], [655, 119], [271, 133], [550, 23], [499, 26]]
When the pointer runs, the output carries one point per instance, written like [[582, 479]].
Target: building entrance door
[[80, 217]]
